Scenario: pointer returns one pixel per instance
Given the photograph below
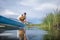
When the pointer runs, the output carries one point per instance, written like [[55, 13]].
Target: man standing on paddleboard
[[22, 34]]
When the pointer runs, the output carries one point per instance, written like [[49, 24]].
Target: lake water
[[32, 34]]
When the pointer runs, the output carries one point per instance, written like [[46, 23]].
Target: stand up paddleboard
[[6, 23]]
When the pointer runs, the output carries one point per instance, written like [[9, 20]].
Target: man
[[22, 18], [22, 34]]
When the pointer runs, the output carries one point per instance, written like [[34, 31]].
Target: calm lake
[[32, 34]]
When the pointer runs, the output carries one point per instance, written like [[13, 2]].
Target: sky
[[36, 9]]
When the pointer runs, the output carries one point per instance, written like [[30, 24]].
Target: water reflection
[[35, 34], [32, 34]]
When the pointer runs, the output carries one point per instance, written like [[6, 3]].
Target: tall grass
[[51, 23]]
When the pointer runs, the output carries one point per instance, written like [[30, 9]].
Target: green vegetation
[[51, 23]]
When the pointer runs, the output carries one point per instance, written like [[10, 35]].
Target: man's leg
[[25, 38], [21, 34]]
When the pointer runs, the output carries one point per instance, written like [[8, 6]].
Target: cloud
[[45, 6], [8, 13], [28, 2], [41, 10], [40, 5]]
